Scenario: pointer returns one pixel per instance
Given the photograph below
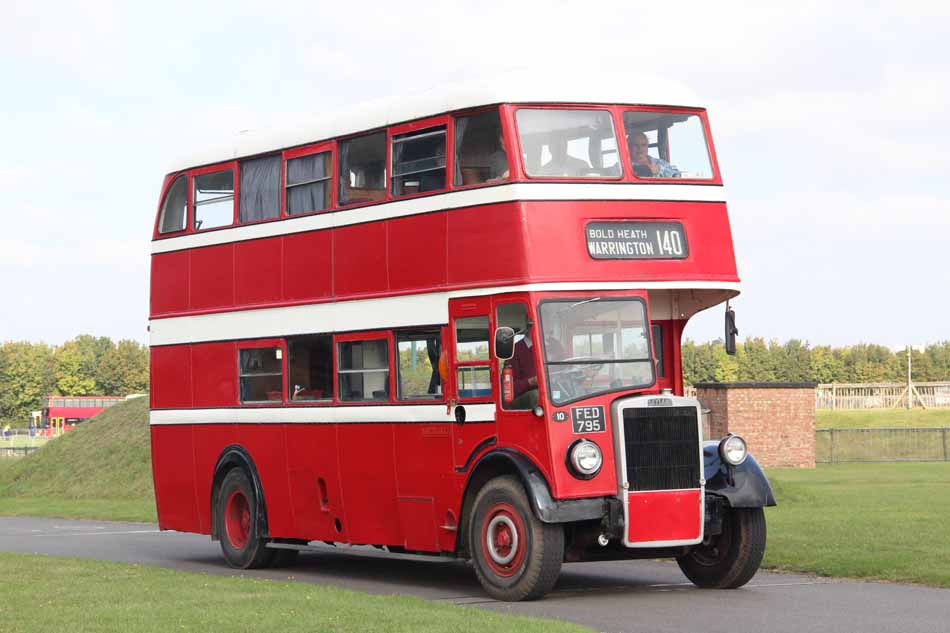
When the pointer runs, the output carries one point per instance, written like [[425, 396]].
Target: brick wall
[[777, 420]]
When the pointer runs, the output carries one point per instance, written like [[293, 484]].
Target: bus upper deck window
[[175, 207], [308, 183], [260, 189], [214, 199], [568, 143], [667, 145], [479, 150], [363, 169], [419, 161]]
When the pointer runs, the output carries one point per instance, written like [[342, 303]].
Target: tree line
[[797, 361], [85, 366]]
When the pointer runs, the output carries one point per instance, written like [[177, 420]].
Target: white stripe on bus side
[[440, 202], [324, 414], [366, 314]]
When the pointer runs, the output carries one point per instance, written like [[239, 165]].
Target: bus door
[[472, 378], [518, 378]]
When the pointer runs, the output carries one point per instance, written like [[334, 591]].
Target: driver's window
[[520, 369]]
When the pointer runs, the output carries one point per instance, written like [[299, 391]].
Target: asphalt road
[[629, 596]]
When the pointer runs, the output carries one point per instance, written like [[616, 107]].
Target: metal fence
[[882, 395], [20, 442], [834, 446]]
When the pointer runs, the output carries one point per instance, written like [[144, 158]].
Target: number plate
[[636, 240], [588, 420]]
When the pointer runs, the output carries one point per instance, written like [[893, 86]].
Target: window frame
[[192, 198], [386, 175], [486, 363], [440, 398], [417, 126], [171, 179], [237, 186], [649, 360], [506, 134], [624, 148], [516, 140], [277, 343], [328, 399], [309, 150], [375, 335]]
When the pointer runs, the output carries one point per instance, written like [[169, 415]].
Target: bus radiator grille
[[662, 448]]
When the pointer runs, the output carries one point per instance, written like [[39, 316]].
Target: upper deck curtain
[[260, 189]]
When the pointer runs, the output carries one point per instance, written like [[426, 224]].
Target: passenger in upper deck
[[644, 165], [562, 163], [498, 162]]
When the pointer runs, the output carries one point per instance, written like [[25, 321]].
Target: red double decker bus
[[61, 413], [451, 325]]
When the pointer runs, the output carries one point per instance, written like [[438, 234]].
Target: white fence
[[882, 395]]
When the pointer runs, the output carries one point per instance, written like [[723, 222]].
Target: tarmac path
[[626, 596]]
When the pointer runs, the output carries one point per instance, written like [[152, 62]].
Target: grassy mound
[[104, 463]]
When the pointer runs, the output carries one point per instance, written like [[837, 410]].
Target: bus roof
[[513, 87]]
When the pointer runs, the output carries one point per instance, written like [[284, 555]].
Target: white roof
[[563, 86]]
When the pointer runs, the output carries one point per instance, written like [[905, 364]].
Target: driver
[[524, 372], [644, 165]]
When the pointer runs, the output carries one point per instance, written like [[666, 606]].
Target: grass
[[882, 418], [65, 594], [99, 470], [880, 521]]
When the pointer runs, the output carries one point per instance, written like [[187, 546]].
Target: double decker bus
[[61, 413], [451, 325]]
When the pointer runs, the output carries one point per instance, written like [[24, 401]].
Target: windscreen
[[667, 145], [595, 345], [568, 143]]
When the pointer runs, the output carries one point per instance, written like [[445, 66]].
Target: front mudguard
[[742, 486]]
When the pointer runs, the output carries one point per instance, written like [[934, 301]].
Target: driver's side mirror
[[504, 343], [731, 331]]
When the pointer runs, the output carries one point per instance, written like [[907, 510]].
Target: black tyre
[[731, 559], [237, 524], [515, 555]]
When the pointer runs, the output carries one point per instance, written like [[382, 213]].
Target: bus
[[450, 325], [61, 413]]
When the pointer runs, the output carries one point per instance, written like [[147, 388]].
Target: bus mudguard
[[545, 507], [743, 486], [236, 456]]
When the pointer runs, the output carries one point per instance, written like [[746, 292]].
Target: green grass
[[882, 418], [99, 470], [65, 594], [881, 521]]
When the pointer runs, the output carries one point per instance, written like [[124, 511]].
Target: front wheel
[[515, 555], [238, 528], [731, 558]]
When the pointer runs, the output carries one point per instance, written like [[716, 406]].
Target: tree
[[27, 373], [71, 380], [124, 369]]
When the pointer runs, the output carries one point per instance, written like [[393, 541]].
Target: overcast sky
[[829, 119]]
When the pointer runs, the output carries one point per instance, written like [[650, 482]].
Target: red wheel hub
[[237, 520], [503, 540]]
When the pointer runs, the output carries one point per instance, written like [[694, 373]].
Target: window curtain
[[344, 172], [307, 197], [260, 189], [461, 125]]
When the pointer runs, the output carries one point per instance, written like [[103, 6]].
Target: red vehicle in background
[[61, 413], [451, 325]]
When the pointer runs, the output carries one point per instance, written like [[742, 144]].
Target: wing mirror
[[504, 343], [731, 331]]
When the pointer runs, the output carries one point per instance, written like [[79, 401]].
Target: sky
[[828, 119]]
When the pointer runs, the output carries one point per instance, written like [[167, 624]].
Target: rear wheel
[[237, 524], [515, 555], [731, 558]]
